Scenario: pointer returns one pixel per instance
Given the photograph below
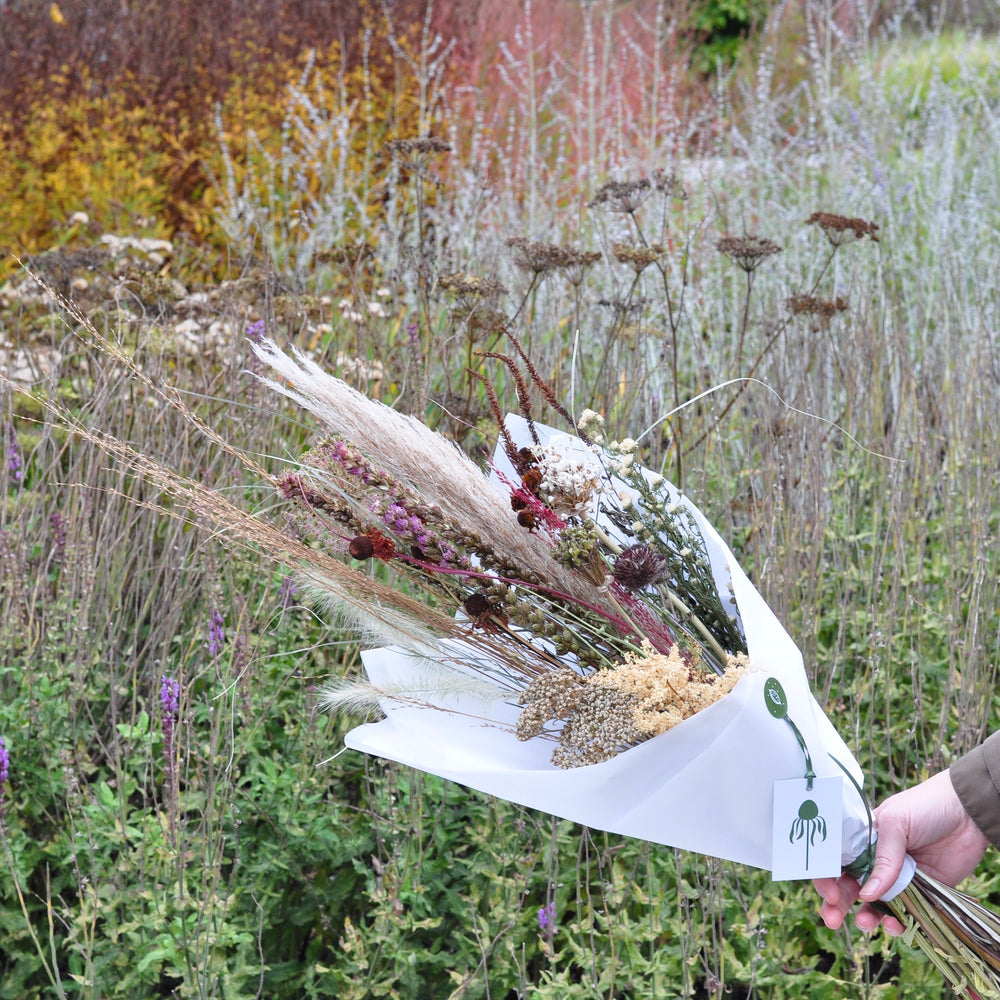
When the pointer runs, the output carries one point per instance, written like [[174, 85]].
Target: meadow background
[[175, 819]]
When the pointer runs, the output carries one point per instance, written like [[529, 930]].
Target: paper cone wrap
[[706, 785]]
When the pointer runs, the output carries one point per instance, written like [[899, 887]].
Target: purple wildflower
[[4, 766], [412, 529], [14, 462], [413, 345], [547, 919], [170, 697], [256, 332], [170, 700], [4, 775], [216, 633]]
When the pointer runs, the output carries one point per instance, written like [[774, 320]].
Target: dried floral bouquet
[[579, 583]]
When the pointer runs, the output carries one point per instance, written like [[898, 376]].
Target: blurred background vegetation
[[180, 172]]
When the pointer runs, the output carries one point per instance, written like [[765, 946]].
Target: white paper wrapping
[[705, 786]]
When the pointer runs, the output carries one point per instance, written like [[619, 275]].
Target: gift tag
[[806, 840]]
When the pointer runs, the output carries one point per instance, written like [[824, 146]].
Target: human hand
[[926, 821]]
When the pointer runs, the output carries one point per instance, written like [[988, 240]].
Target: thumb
[[890, 852]]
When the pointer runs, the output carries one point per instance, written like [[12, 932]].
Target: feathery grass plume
[[402, 446], [430, 686]]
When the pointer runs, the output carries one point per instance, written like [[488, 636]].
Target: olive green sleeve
[[976, 778]]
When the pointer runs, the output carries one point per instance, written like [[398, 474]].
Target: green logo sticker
[[774, 698]]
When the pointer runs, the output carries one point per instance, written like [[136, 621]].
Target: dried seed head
[[839, 229], [809, 305], [371, 544], [622, 196], [425, 146], [361, 548], [639, 567], [747, 252], [472, 286], [476, 605], [539, 257], [578, 263], [669, 184], [413, 154], [551, 696], [484, 321], [637, 257], [600, 727]]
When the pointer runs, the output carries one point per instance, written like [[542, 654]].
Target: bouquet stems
[[958, 935]]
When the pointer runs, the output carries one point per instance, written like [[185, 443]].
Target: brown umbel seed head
[[839, 229], [747, 252]]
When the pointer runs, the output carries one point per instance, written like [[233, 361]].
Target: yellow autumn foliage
[[134, 164]]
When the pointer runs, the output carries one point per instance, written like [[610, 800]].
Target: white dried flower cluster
[[568, 484], [621, 456], [591, 425]]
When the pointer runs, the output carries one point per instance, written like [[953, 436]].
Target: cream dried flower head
[[568, 484], [666, 688]]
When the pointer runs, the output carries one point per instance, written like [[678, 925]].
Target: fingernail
[[871, 888]]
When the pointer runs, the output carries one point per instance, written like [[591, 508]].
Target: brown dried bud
[[361, 547], [476, 604]]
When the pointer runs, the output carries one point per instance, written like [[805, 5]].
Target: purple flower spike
[[170, 697], [58, 524], [547, 919], [287, 592], [14, 462], [216, 633], [170, 700], [4, 776]]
